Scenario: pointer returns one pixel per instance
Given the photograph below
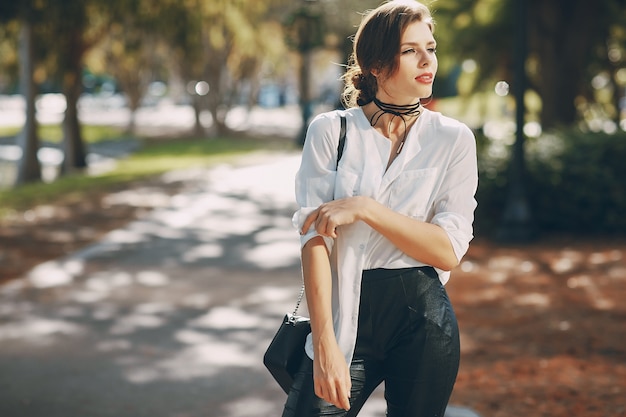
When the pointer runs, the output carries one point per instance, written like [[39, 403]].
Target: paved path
[[169, 316]]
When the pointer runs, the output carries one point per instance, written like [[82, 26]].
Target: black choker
[[397, 111]]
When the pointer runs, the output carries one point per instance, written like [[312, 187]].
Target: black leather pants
[[407, 337]]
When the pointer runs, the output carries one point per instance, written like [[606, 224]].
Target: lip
[[426, 78]]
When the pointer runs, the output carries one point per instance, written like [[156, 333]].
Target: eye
[[409, 51], [432, 50]]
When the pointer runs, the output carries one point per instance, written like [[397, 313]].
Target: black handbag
[[286, 351]]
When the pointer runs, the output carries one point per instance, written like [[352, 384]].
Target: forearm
[[425, 242], [318, 284]]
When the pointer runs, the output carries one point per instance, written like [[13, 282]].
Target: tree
[[132, 55], [71, 29], [562, 38], [29, 167], [66, 26], [218, 42]]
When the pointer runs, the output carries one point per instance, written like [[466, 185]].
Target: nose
[[425, 59]]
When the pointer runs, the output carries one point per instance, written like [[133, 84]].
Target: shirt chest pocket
[[411, 193], [346, 183]]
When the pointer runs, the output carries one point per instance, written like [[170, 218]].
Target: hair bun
[[359, 81], [360, 88]]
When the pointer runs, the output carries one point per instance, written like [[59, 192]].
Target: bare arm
[[425, 242], [330, 372]]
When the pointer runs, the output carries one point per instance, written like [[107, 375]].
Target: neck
[[402, 110], [406, 113]]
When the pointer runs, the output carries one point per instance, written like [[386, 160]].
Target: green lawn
[[54, 133], [153, 158]]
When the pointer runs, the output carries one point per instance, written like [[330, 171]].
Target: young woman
[[397, 211]]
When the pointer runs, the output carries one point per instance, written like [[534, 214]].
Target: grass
[[54, 133], [152, 159]]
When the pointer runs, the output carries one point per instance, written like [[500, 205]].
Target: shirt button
[[362, 246]]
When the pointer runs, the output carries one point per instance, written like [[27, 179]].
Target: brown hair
[[377, 47]]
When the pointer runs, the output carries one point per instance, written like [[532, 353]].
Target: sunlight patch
[[144, 197], [191, 337], [129, 324], [274, 255], [55, 273], [249, 407], [202, 360], [208, 250], [226, 318], [88, 297], [125, 236], [36, 327], [152, 278], [533, 299]]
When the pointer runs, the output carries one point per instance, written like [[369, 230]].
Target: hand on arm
[[425, 242], [331, 374]]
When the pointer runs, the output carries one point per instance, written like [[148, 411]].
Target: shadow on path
[[167, 317]]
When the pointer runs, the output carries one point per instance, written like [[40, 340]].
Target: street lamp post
[[305, 33], [516, 224]]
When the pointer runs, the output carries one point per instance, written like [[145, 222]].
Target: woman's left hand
[[329, 216]]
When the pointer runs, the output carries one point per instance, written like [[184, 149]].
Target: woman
[[397, 210]]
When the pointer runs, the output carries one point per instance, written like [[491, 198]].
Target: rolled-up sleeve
[[455, 202], [315, 180]]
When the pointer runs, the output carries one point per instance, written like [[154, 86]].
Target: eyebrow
[[429, 43]]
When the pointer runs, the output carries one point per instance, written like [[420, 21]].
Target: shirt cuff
[[298, 220], [459, 231]]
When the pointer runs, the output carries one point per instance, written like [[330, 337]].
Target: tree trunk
[[563, 45], [216, 75], [134, 84], [197, 109], [73, 146], [131, 128], [28, 167]]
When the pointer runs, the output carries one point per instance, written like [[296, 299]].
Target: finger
[[321, 225], [310, 219], [343, 396], [332, 396], [324, 392], [332, 228], [325, 225], [318, 390]]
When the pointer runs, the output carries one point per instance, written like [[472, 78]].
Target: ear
[[377, 70]]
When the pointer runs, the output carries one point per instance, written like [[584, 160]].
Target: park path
[[168, 316]]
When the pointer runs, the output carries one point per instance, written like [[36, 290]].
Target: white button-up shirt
[[433, 179]]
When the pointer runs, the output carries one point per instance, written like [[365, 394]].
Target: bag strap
[[342, 138], [340, 147]]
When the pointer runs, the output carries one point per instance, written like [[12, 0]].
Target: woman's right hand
[[331, 375]]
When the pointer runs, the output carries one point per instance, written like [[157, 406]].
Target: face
[[416, 70]]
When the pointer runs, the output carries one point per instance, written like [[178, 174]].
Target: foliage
[[575, 182], [569, 43]]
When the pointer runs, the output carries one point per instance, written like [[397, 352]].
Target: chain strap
[[295, 310]]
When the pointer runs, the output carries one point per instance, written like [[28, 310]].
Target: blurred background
[[188, 116], [209, 68]]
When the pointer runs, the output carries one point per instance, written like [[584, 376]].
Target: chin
[[423, 93]]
